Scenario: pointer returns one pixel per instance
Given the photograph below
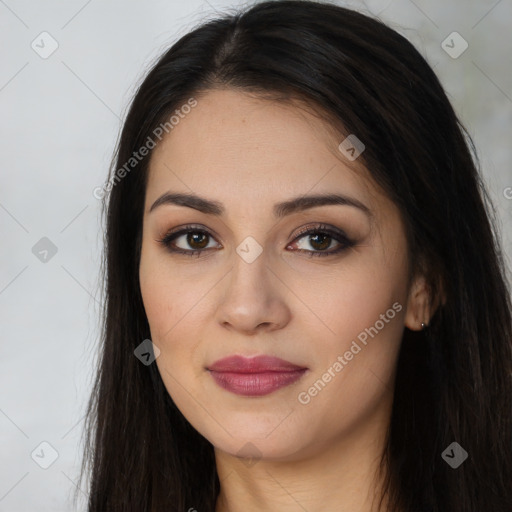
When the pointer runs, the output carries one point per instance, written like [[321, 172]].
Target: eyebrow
[[294, 205]]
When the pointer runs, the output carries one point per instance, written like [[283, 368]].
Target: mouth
[[255, 376]]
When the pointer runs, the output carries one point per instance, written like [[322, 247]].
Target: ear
[[418, 308]]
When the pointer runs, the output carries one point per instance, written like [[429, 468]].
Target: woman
[[341, 338]]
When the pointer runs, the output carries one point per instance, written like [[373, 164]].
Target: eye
[[320, 238], [189, 240]]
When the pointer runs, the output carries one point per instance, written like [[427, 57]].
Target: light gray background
[[60, 120]]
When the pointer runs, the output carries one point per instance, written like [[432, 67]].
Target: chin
[[256, 440]]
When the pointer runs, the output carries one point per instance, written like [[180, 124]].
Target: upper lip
[[257, 364]]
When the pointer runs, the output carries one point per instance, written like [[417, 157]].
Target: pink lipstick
[[255, 376]]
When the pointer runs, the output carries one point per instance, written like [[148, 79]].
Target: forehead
[[232, 146]]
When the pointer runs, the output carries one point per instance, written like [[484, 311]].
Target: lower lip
[[255, 384]]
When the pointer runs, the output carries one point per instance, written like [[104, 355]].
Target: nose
[[253, 298]]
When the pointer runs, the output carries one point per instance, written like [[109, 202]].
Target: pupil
[[323, 239], [194, 238]]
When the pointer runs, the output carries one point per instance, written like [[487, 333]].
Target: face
[[254, 272]]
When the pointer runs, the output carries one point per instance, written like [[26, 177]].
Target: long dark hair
[[454, 380]]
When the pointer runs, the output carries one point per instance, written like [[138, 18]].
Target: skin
[[250, 153]]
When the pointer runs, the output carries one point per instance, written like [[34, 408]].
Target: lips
[[258, 364], [255, 376]]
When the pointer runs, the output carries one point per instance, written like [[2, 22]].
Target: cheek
[[365, 320], [167, 317], [352, 297], [363, 305], [169, 296], [173, 305], [353, 377], [158, 305]]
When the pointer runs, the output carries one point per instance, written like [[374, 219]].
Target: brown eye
[[197, 239], [190, 240], [314, 241], [320, 241]]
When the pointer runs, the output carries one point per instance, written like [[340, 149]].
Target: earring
[[423, 325]]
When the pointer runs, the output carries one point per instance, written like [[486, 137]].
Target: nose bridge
[[249, 258], [250, 268], [251, 296]]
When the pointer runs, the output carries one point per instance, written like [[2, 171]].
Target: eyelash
[[338, 235]]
